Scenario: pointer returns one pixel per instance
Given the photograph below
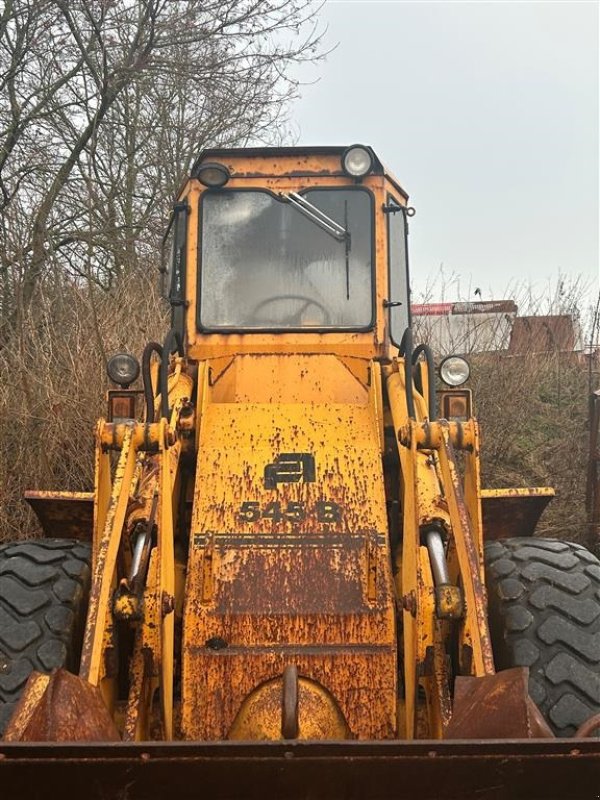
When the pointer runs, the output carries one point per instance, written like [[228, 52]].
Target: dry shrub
[[533, 415], [54, 382], [533, 408]]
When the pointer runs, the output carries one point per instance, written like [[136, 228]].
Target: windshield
[[265, 265]]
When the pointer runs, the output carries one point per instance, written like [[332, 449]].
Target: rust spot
[[64, 708], [68, 514], [512, 512], [167, 604], [409, 603], [589, 726], [496, 707]]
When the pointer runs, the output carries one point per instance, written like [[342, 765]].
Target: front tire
[[44, 588], [544, 612]]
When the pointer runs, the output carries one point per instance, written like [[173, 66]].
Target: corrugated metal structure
[[493, 326], [480, 327]]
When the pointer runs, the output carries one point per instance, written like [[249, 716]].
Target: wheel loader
[[288, 580]]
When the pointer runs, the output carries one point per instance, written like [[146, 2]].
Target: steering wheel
[[294, 319]]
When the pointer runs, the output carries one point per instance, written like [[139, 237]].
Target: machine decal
[[342, 540], [290, 468], [324, 511]]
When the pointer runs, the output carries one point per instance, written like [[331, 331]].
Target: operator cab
[[274, 241]]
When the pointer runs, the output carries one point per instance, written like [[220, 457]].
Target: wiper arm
[[317, 216]]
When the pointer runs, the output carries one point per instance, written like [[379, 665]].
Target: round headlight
[[123, 369], [454, 370], [213, 175], [357, 161]]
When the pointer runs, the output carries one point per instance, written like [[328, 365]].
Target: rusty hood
[[289, 558]]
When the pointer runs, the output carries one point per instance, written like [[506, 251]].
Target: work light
[[213, 175], [357, 161], [123, 369], [454, 371]]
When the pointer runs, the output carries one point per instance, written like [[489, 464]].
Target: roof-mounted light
[[357, 161], [213, 175]]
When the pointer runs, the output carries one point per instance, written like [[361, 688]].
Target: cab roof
[[270, 153]]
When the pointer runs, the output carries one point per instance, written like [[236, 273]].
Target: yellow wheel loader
[[278, 585]]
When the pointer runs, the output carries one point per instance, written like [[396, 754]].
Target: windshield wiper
[[324, 222], [317, 216]]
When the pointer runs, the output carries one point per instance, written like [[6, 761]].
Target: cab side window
[[398, 269]]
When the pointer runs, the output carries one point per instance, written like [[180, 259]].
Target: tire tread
[[544, 607], [43, 596]]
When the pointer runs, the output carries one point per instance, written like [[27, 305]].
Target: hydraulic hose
[[427, 352], [151, 347], [406, 349], [172, 343]]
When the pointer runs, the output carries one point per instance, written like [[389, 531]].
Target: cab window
[[286, 262]]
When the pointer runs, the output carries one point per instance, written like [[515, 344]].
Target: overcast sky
[[487, 113]]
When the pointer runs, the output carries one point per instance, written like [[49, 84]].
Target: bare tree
[[103, 105]]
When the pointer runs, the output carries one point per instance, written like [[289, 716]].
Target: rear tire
[[44, 588], [544, 612]]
